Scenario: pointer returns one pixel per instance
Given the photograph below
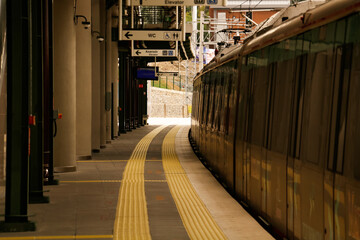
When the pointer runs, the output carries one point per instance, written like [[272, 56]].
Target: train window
[[224, 100], [242, 105], [228, 102], [258, 104], [218, 105], [206, 99], [316, 106], [212, 98], [353, 33], [202, 99], [300, 73], [299, 102], [281, 98]]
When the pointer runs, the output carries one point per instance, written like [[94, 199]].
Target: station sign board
[[154, 52], [176, 2], [147, 73], [151, 35]]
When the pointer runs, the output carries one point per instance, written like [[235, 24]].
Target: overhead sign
[[167, 74], [151, 35], [176, 2], [147, 73], [154, 52]]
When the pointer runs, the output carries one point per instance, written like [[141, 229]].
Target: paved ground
[[84, 205]]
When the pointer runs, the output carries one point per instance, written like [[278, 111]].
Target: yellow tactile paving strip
[[110, 161], [197, 220], [105, 181], [131, 221]]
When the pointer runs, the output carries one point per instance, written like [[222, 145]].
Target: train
[[277, 121]]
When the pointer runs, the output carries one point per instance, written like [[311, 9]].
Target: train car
[[277, 120]]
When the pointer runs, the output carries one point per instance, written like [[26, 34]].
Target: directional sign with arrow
[[152, 35], [154, 52], [128, 35]]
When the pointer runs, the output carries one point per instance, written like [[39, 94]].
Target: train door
[[249, 113], [217, 111], [293, 176], [347, 205], [257, 126], [277, 134], [344, 101], [230, 124], [200, 113], [241, 130], [314, 133]]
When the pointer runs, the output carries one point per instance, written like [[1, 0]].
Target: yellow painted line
[[131, 221], [61, 237], [105, 181], [197, 220]]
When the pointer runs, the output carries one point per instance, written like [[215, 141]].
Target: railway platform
[[147, 184]]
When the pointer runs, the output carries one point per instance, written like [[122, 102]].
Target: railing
[[172, 83]]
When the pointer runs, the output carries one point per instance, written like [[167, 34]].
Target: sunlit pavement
[[169, 121]]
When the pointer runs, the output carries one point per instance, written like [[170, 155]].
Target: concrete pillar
[[95, 51], [83, 82], [108, 79], [65, 85], [115, 77], [102, 75]]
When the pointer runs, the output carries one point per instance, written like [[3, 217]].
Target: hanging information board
[[176, 2]]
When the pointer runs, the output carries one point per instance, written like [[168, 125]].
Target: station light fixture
[[86, 23], [99, 37]]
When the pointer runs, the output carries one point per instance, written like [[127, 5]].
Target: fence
[[172, 83]]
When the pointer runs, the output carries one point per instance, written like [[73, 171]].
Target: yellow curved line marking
[[131, 221], [61, 237], [197, 220]]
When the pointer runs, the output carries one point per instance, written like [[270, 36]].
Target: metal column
[[122, 92], [48, 94], [36, 107], [17, 159]]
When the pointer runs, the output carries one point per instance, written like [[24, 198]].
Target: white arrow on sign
[[154, 52], [151, 35]]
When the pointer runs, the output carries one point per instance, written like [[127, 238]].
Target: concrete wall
[[167, 103]]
